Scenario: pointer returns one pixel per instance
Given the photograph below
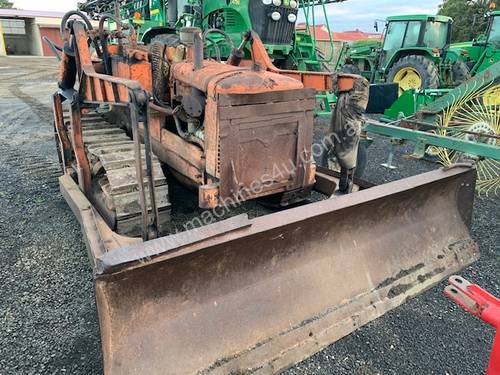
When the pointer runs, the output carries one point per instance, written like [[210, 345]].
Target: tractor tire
[[460, 72], [426, 69], [350, 69]]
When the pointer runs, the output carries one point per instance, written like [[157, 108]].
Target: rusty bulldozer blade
[[257, 296]]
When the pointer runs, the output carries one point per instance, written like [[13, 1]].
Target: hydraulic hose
[[223, 33], [104, 40], [104, 18], [88, 25], [66, 18], [217, 49]]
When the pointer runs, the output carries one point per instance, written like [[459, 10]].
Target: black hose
[[187, 136], [104, 18], [217, 49], [104, 40], [223, 33], [66, 18]]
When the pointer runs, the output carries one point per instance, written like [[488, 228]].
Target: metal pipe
[[187, 136], [54, 47], [197, 51], [172, 12], [165, 110]]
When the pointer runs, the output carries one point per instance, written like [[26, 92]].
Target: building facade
[[22, 32]]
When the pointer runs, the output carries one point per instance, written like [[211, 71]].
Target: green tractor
[[478, 55], [414, 53], [224, 22], [484, 52]]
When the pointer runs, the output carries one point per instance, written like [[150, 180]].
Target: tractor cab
[[412, 50], [493, 36], [490, 49], [413, 54], [425, 35], [480, 54]]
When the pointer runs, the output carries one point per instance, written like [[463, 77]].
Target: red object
[[320, 31], [482, 304], [352, 36], [54, 35], [345, 36]]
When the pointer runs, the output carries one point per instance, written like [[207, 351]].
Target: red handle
[[482, 304]]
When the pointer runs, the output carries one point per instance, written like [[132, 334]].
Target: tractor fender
[[403, 52]]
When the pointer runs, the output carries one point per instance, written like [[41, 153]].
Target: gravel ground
[[48, 321]]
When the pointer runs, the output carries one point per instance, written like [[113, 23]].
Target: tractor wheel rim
[[408, 78]]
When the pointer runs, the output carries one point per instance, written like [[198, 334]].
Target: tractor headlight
[[277, 2], [292, 18], [267, 2], [293, 4], [275, 16]]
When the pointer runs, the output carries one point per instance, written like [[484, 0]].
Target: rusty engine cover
[[257, 131]]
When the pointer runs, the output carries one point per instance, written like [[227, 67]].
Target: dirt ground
[[48, 319]]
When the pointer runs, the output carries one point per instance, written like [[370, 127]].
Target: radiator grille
[[230, 18], [272, 32]]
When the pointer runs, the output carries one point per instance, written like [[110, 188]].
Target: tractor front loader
[[225, 291]]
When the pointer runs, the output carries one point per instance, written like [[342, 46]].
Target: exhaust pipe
[[172, 12], [191, 37], [198, 51]]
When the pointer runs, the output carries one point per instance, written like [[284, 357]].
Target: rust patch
[[400, 275], [399, 289], [422, 278]]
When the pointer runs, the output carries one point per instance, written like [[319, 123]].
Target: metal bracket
[[139, 108], [419, 150]]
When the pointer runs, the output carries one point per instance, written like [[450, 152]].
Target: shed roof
[[21, 13]]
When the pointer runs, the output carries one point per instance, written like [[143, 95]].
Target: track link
[[115, 190]]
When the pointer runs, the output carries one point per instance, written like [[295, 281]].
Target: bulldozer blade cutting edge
[[259, 295]]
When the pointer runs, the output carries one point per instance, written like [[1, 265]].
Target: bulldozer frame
[[248, 295]]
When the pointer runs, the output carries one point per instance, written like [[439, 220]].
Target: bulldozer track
[[110, 152]]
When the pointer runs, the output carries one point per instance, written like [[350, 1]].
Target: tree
[[469, 17], [6, 4]]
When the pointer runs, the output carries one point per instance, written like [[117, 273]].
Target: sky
[[350, 15]]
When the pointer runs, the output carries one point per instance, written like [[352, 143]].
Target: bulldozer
[[231, 290]]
